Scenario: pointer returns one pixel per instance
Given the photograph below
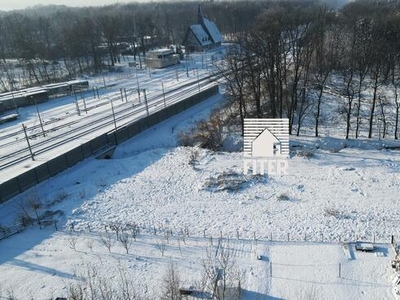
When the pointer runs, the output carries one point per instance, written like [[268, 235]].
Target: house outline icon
[[266, 144]]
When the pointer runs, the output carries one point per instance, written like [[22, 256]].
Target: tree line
[[294, 56], [48, 43], [291, 50]]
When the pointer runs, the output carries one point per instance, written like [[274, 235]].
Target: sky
[[7, 5], [21, 4]]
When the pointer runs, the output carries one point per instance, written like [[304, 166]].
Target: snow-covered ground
[[76, 119], [289, 236], [347, 191]]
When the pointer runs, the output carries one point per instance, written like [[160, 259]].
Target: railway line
[[99, 116]]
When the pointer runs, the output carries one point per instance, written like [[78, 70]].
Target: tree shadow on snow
[[246, 294], [38, 268]]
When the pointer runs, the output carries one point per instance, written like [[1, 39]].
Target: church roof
[[212, 30], [204, 33], [200, 34]]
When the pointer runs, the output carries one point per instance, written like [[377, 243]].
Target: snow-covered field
[[186, 199], [286, 237]]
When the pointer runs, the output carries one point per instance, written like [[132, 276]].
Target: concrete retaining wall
[[60, 163]]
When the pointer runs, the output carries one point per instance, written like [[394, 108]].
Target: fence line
[[6, 232], [250, 237]]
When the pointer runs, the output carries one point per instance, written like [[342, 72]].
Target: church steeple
[[199, 15]]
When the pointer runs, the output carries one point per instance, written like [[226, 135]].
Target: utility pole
[[15, 104], [40, 119], [163, 92], [122, 95], [187, 65], [198, 80], [113, 113], [12, 95], [145, 101], [84, 101], [138, 85], [27, 140], [104, 82], [115, 122], [77, 108], [73, 91]]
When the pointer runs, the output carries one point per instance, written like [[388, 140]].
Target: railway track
[[124, 113]]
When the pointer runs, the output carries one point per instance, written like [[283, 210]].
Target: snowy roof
[[162, 50], [200, 34], [213, 30]]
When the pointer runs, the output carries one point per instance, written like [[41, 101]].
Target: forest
[[294, 57], [52, 42]]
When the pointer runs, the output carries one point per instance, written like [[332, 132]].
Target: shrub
[[232, 182], [207, 134], [25, 219], [304, 153], [3, 230], [60, 196], [171, 284], [333, 212], [186, 139], [194, 158], [283, 197]]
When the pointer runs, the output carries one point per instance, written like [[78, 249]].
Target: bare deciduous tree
[[171, 284], [134, 230], [162, 246], [126, 241], [223, 277], [72, 240], [107, 240]]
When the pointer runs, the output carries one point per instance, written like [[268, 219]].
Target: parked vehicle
[[161, 58]]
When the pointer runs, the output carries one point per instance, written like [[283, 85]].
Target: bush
[[206, 134], [232, 182], [62, 195], [283, 197], [335, 212], [304, 153], [227, 181], [25, 219], [186, 139], [3, 230], [194, 158], [210, 133]]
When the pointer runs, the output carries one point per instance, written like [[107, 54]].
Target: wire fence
[[243, 235], [242, 248], [6, 232], [187, 231]]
